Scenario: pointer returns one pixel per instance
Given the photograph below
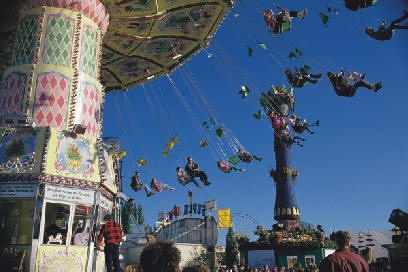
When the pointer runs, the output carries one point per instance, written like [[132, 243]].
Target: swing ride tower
[[286, 207], [58, 59], [280, 102]]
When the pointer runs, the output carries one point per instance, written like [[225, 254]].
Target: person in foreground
[[161, 256], [112, 233], [343, 260], [196, 268]]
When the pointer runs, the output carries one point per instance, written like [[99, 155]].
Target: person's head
[[179, 170], [196, 268], [137, 173], [218, 163], [343, 239], [160, 256], [275, 269], [331, 75], [107, 217], [266, 267], [297, 267], [189, 159]]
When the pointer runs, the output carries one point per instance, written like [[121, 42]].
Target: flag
[[224, 218]]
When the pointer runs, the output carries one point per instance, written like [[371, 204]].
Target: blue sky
[[353, 170]]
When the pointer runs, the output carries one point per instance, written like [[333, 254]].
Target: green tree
[[203, 258], [15, 149], [126, 212], [134, 211], [231, 249], [140, 216]]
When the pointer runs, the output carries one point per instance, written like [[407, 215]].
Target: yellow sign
[[224, 218]]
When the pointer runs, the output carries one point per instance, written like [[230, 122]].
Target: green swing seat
[[282, 27]]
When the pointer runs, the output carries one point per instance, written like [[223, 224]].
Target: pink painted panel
[[51, 100], [87, 108], [12, 93]]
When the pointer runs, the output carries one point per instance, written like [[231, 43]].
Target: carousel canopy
[[147, 39]]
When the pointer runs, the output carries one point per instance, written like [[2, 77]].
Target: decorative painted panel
[[164, 50], [100, 261], [17, 150], [132, 8], [89, 50], [92, 9], [25, 40], [61, 258], [73, 157], [194, 22], [108, 170], [59, 36], [87, 110], [21, 150], [12, 93], [51, 99]]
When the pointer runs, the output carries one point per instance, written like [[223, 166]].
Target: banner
[[224, 218]]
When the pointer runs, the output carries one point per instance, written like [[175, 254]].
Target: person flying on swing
[[226, 167], [184, 179], [298, 126], [137, 185], [358, 4], [158, 187], [193, 170], [301, 77], [275, 22], [289, 139], [247, 157], [385, 33], [347, 86]]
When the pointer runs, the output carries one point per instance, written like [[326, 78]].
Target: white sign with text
[[105, 203], [70, 194], [18, 190]]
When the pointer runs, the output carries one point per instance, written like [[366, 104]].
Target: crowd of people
[[164, 256]]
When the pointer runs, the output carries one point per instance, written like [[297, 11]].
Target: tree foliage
[[231, 250], [140, 216], [129, 210]]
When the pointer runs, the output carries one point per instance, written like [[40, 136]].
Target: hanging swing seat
[[359, 4], [283, 27], [186, 180], [280, 27]]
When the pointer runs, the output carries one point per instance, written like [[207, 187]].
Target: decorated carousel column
[[286, 208], [50, 113]]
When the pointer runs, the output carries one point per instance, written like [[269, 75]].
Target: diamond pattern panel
[[92, 9], [25, 40], [89, 51], [51, 100], [87, 108], [11, 98], [58, 41]]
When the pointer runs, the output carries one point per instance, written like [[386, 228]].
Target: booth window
[[56, 223], [82, 225], [16, 222]]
